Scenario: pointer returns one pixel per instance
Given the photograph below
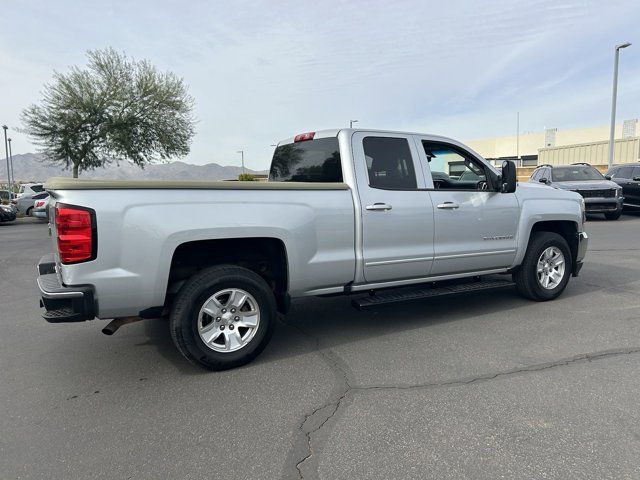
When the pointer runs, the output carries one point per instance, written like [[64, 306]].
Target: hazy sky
[[264, 71]]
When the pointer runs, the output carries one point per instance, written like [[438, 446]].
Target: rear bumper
[[583, 242], [39, 213], [62, 303]]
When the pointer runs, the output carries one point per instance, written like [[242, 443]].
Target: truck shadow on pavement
[[332, 322]]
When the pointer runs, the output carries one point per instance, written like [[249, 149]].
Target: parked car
[[628, 177], [41, 208], [25, 203], [600, 195], [6, 196], [7, 213], [345, 212], [30, 189]]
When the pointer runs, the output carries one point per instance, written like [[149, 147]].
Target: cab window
[[389, 163], [453, 168]]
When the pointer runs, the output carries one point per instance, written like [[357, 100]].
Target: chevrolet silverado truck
[[382, 216]]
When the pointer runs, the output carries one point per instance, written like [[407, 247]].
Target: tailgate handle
[[378, 206]]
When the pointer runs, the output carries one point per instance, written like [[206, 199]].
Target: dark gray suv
[[600, 195], [628, 177]]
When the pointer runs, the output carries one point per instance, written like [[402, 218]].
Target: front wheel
[[546, 267], [223, 317]]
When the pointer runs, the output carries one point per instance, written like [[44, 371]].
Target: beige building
[[557, 147]]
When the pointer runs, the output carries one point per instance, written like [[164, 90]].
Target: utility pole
[[6, 149], [241, 152], [13, 177], [518, 139], [351, 122], [613, 100]]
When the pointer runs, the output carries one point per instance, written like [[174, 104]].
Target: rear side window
[[37, 188], [389, 163], [308, 161]]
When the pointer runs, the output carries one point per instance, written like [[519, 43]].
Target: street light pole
[[613, 100], [241, 152], [351, 122], [13, 178], [518, 140], [6, 149]]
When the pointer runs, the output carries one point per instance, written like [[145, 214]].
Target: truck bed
[[140, 224]]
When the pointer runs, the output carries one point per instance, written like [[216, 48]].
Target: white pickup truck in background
[[345, 212]]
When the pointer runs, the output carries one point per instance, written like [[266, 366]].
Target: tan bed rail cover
[[63, 183]]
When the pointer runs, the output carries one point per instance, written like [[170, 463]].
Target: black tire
[[29, 211], [526, 278], [613, 215], [183, 321]]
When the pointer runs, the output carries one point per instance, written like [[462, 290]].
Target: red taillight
[[304, 137], [75, 234]]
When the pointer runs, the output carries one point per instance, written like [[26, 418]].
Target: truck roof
[[333, 132]]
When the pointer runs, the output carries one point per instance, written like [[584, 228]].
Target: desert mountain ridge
[[33, 167]]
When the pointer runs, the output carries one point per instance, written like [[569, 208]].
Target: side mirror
[[509, 177], [608, 177], [544, 180]]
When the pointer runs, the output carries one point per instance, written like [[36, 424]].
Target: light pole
[[351, 122], [241, 152], [518, 139], [6, 149], [13, 178], [613, 100]]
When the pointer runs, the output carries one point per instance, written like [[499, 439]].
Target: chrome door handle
[[378, 206], [448, 206]]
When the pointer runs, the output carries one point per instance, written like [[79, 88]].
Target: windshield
[[308, 161], [575, 174]]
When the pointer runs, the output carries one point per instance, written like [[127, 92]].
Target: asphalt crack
[[318, 418]]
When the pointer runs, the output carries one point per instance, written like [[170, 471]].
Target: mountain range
[[34, 167]]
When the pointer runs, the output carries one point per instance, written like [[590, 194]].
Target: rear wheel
[[29, 211], [546, 267], [613, 215], [223, 317]]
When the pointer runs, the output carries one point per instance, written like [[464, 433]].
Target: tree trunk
[[75, 169]]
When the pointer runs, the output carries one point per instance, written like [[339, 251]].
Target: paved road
[[487, 386]]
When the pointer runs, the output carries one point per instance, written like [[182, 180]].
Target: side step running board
[[428, 292]]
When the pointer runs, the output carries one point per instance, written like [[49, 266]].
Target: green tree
[[114, 108], [246, 177]]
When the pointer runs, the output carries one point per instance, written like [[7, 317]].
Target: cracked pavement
[[480, 386]]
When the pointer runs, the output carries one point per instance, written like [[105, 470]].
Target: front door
[[475, 226], [633, 188], [397, 217]]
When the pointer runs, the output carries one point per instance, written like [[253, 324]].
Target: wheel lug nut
[[233, 310], [230, 327], [236, 318], [221, 327], [217, 319]]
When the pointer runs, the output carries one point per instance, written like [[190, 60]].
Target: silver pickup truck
[[353, 212]]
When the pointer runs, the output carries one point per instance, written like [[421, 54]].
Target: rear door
[[396, 215], [475, 226]]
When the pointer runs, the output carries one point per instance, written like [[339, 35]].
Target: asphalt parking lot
[[483, 386]]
